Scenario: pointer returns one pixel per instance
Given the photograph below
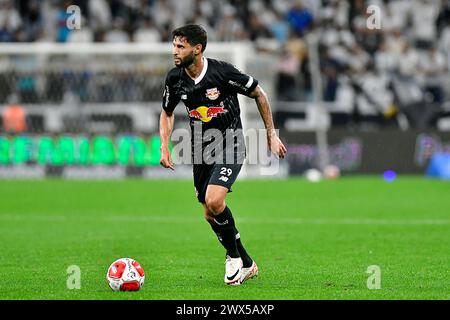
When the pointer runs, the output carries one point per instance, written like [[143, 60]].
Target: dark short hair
[[193, 33]]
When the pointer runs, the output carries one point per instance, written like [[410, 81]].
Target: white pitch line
[[245, 220]]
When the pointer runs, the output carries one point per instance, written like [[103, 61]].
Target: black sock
[[246, 260], [224, 223], [216, 230]]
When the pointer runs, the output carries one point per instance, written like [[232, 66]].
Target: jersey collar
[[202, 74]]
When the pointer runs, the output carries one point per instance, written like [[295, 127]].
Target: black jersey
[[212, 98]]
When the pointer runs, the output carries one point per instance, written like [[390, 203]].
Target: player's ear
[[198, 49]]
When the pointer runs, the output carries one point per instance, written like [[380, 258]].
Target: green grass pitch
[[310, 240]]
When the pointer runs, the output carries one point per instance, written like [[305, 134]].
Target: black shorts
[[217, 174]]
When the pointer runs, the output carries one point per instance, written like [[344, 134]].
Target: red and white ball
[[125, 274], [331, 172]]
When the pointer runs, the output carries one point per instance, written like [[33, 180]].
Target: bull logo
[[212, 93], [205, 114]]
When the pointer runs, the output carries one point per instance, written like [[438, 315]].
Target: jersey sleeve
[[170, 96], [239, 82]]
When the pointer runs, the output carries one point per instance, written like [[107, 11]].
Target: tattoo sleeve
[[264, 109]]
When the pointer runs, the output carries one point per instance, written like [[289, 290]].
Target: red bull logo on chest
[[212, 93], [205, 114]]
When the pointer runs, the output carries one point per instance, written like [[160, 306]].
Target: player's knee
[[215, 205]]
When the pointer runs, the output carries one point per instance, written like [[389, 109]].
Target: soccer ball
[[125, 274], [313, 175], [331, 172]]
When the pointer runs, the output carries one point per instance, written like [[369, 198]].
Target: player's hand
[[166, 158], [276, 146]]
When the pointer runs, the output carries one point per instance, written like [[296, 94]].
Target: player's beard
[[187, 61]]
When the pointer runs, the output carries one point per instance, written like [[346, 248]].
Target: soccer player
[[208, 89]]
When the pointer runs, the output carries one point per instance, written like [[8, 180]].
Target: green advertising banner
[[126, 150]]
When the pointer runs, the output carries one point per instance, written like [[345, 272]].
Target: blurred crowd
[[401, 65], [151, 20]]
